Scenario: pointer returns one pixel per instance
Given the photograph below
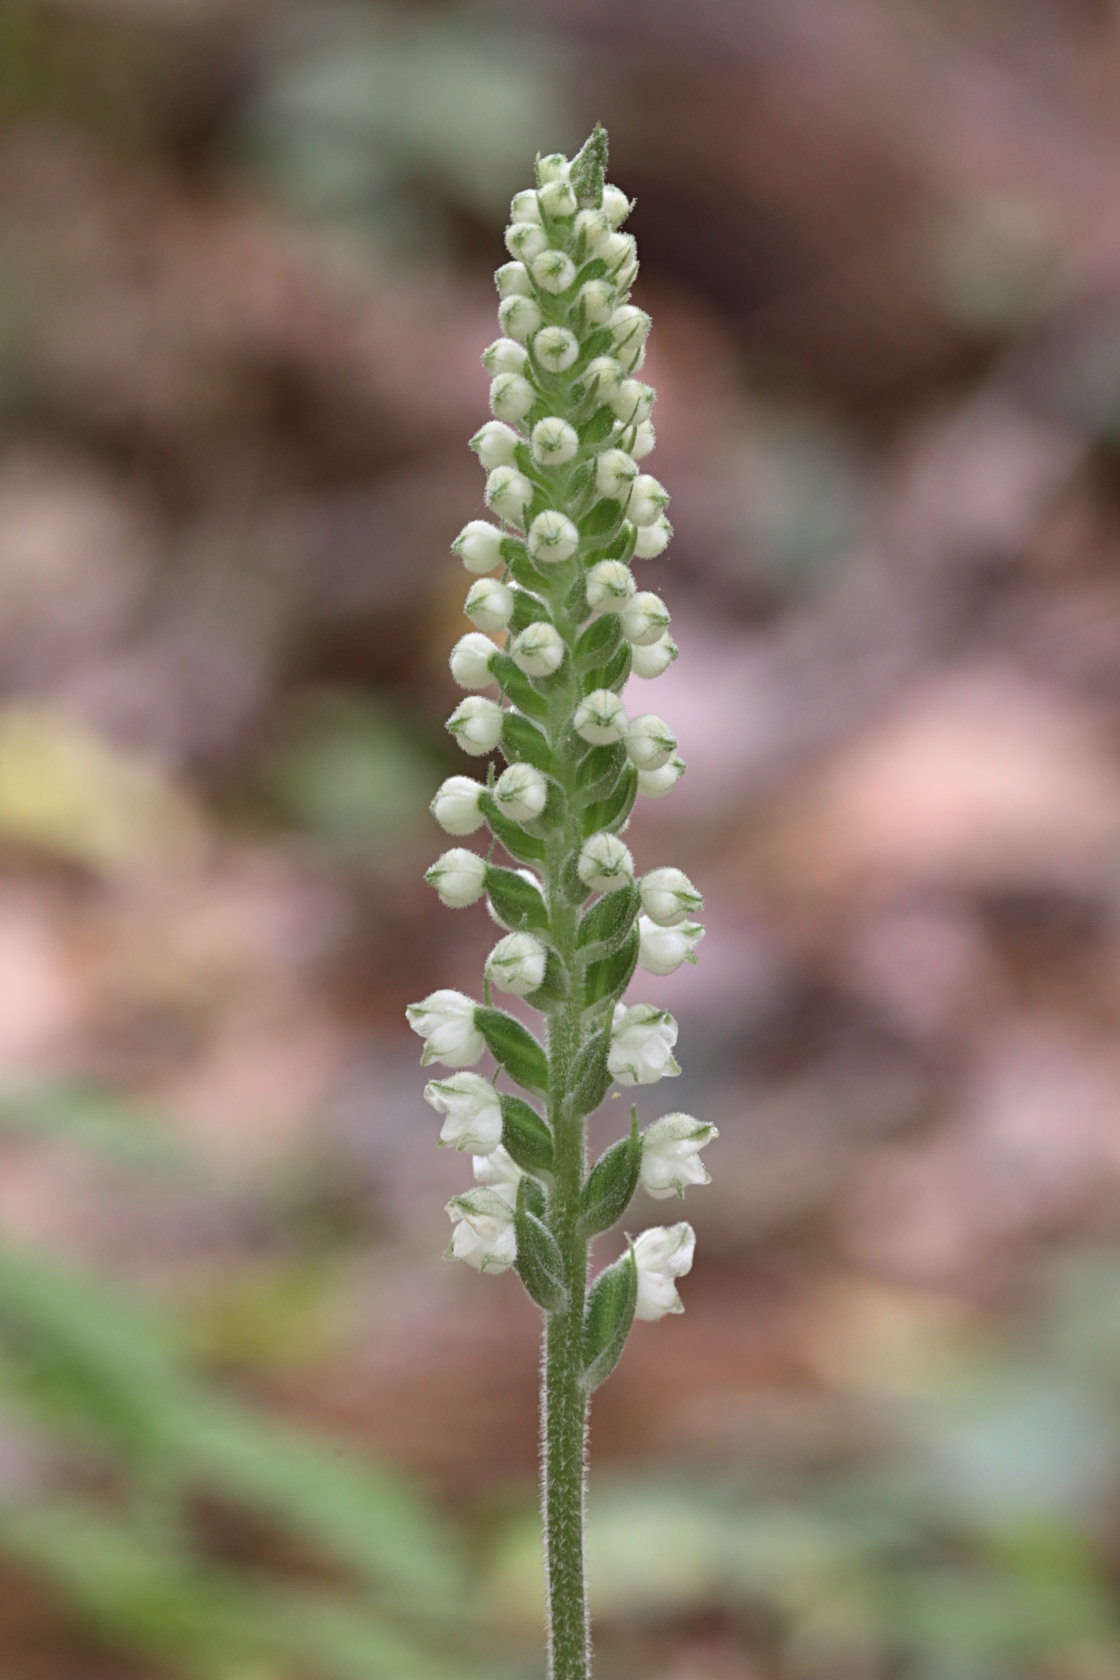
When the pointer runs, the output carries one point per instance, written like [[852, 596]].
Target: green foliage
[[525, 1134], [514, 1047], [539, 1263], [516, 901], [612, 1181], [607, 1319]]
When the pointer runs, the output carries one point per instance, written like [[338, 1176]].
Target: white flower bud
[[643, 441], [558, 200], [629, 323], [655, 784], [553, 167], [644, 618], [603, 375], [473, 1110], [523, 207], [593, 228], [511, 396], [662, 950], [508, 493], [489, 604], [552, 537], [517, 964], [484, 1234], [649, 659], [478, 545], [671, 1155], [495, 443], [600, 718], [505, 355], [653, 540], [616, 205], [458, 877], [648, 499], [512, 280], [476, 724], [519, 317], [633, 402], [649, 741], [668, 896], [610, 584], [619, 251], [641, 1049], [662, 1255], [615, 472], [605, 863], [500, 1172], [455, 806], [445, 1021], [526, 240], [632, 353], [553, 271], [555, 348], [554, 442], [597, 300], [521, 792], [471, 658], [538, 650]]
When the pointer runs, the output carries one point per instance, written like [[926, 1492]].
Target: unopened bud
[[668, 896], [473, 1112], [505, 355], [655, 784], [517, 964], [526, 240], [644, 618], [478, 545], [554, 442], [603, 379], [555, 348], [643, 440], [489, 604], [519, 317], [605, 863], [512, 280], [552, 537], [511, 396], [615, 472], [662, 950], [471, 658], [597, 300], [456, 805], [649, 741], [524, 207], [458, 876], [610, 584], [495, 443], [558, 200], [508, 493], [553, 271], [616, 205], [476, 724], [554, 167], [633, 402], [521, 793], [593, 229], [600, 718], [648, 499], [538, 650], [653, 540]]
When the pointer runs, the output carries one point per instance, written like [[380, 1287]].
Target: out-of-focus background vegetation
[[251, 1427]]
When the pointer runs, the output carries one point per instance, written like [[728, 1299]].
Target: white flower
[[662, 950], [593, 228], [476, 724], [653, 540], [517, 964], [505, 355], [642, 1040], [552, 537], [597, 300], [473, 1110], [512, 280], [521, 792], [662, 1255], [668, 896], [610, 584], [458, 877], [633, 401], [648, 499], [511, 396], [558, 200], [553, 167], [500, 1172], [478, 545], [489, 604], [495, 443], [616, 205], [508, 493], [455, 806], [538, 650], [604, 375], [655, 784], [651, 658], [526, 240], [553, 441], [555, 348], [445, 1021], [524, 207], [553, 271], [649, 741], [643, 440], [484, 1234], [471, 658], [645, 617], [671, 1154], [615, 472], [605, 862], [519, 317], [600, 718]]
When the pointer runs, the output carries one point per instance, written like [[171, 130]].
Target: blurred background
[[251, 1427]]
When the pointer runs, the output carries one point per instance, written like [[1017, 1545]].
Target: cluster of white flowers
[[559, 626]]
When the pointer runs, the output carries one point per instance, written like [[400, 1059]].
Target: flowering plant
[[571, 422]]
